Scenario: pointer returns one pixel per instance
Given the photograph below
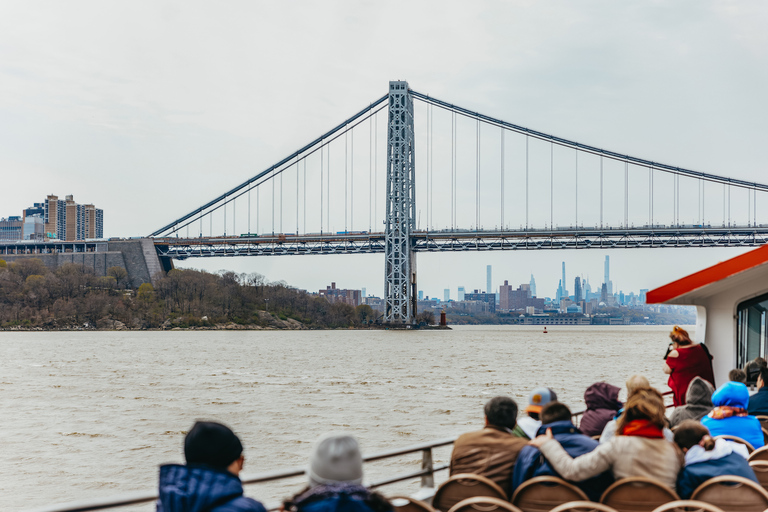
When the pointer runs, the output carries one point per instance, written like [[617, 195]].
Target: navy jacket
[[200, 488], [758, 403], [340, 497], [531, 463], [694, 475]]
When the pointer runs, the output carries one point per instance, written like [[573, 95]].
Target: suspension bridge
[[483, 184]]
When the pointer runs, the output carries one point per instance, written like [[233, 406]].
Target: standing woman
[[684, 361]]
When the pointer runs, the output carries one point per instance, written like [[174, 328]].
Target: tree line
[[73, 296]]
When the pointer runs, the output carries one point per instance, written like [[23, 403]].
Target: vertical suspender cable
[[328, 191], [352, 179], [501, 200], [650, 199], [527, 139], [577, 188], [281, 203], [453, 167], [258, 192], [551, 186], [305, 195], [234, 216], [273, 204], [370, 172], [431, 219], [297, 195], [477, 177], [626, 194], [729, 205], [375, 164], [225, 215], [322, 171], [249, 210], [426, 157], [724, 205], [601, 191], [346, 178]]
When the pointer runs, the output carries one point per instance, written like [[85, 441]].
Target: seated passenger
[[603, 404], [528, 426], [698, 402], [336, 480], [210, 479], [557, 417], [706, 458], [637, 449], [730, 416], [737, 375], [633, 383], [758, 403], [492, 451]]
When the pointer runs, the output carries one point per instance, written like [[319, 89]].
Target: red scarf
[[642, 428]]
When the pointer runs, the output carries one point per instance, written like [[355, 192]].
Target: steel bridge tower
[[400, 259]]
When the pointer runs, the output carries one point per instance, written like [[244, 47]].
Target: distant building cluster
[[333, 294], [54, 219]]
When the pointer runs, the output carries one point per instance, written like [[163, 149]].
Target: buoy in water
[[545, 330]]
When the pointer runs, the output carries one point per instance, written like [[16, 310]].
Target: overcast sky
[[149, 109]]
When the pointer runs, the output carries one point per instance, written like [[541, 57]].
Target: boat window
[[752, 329]]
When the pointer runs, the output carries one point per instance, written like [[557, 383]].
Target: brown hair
[[737, 375], [690, 433], [680, 336], [643, 404], [554, 411]]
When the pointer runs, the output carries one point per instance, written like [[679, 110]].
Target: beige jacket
[[490, 452], [625, 455]]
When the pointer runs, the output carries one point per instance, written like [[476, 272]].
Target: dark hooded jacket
[[338, 497], [698, 402], [602, 401], [531, 463], [200, 488]]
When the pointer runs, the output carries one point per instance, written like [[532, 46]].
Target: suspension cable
[[501, 200], [526, 182], [601, 191], [577, 189], [551, 186], [477, 177]]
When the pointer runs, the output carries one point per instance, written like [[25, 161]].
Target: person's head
[[699, 393], [761, 361], [690, 433], [737, 375], [335, 459], [732, 394], [680, 336], [215, 445], [762, 377], [538, 399], [554, 411], [501, 411], [644, 404], [635, 382]]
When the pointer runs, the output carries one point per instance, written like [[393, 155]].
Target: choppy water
[[87, 415]]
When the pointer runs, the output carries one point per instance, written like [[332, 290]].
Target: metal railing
[[426, 473]]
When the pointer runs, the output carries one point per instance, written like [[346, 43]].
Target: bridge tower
[[400, 260]]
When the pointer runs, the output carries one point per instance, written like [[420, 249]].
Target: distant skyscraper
[[607, 278], [577, 290], [489, 286], [362, 293], [421, 294], [461, 293], [564, 294], [587, 290], [447, 294], [532, 284]]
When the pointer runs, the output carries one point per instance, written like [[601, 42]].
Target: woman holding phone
[[686, 360]]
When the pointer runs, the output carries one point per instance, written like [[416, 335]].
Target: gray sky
[[149, 109]]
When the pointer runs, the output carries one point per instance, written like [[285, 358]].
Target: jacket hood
[[602, 395], [196, 488], [559, 427], [699, 393], [734, 394]]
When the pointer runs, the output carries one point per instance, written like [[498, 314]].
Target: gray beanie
[[335, 459]]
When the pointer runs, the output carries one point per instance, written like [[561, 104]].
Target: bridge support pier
[[400, 289]]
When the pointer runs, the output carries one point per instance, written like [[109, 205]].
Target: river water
[[93, 414]]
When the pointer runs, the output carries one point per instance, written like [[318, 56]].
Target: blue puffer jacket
[[531, 463], [734, 394], [200, 488], [711, 464], [341, 497]]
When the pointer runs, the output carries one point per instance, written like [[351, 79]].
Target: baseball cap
[[539, 398]]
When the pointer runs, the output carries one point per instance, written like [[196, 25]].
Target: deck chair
[[760, 467], [759, 454], [583, 506], [637, 494], [732, 493], [406, 504], [736, 439], [688, 506], [462, 486], [542, 493], [763, 419], [484, 504], [765, 435]]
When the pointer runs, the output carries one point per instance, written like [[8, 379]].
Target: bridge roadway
[[463, 240]]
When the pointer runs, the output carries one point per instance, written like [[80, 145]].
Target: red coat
[[692, 361]]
